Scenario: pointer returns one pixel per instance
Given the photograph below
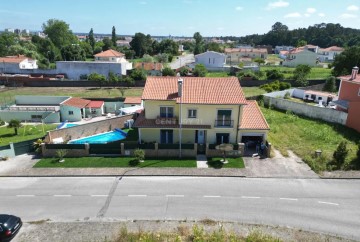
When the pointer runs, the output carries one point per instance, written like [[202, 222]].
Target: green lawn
[[93, 92], [217, 74], [26, 132], [83, 162], [316, 72], [304, 135], [233, 163], [253, 91]]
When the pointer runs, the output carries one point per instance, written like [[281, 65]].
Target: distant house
[[121, 43], [132, 101], [211, 59], [151, 68], [300, 56], [328, 54], [280, 48], [234, 55], [13, 64], [110, 56], [349, 98], [319, 97], [75, 109]]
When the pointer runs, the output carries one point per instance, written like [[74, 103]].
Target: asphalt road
[[330, 206], [181, 61]]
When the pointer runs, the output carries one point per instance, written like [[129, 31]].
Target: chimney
[[180, 87], [354, 73]]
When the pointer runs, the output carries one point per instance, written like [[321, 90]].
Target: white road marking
[[335, 204], [137, 195], [62, 195], [28, 195], [250, 197], [207, 196], [289, 199], [174, 195], [98, 195]]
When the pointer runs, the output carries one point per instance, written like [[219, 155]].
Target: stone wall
[[326, 114], [88, 129], [218, 153]]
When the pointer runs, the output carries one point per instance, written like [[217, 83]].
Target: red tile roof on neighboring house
[[132, 100], [95, 104], [196, 90], [244, 50], [333, 48], [148, 66], [13, 59], [109, 53], [252, 118], [76, 102], [349, 78]]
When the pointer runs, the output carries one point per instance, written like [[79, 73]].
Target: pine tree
[[113, 36], [91, 39]]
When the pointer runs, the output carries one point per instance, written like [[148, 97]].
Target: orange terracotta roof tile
[[95, 104], [245, 50], [196, 90], [148, 66], [109, 53], [333, 48], [252, 117], [76, 102], [132, 100]]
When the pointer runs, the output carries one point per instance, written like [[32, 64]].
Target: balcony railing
[[224, 123]]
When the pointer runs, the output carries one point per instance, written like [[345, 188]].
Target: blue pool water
[[65, 125], [101, 138], [70, 125]]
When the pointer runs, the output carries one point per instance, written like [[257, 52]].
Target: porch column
[[139, 131]]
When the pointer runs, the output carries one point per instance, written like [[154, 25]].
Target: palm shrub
[[14, 123], [340, 154], [139, 155], [61, 153]]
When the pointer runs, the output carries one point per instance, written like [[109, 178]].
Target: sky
[[178, 17]]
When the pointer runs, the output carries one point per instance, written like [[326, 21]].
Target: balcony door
[[166, 136], [222, 138], [223, 118], [166, 112]]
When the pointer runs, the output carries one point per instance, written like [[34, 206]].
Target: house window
[[192, 113], [223, 118], [93, 110], [166, 136], [71, 112], [166, 112], [222, 138], [209, 61]]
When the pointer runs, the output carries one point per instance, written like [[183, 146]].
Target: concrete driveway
[[278, 166]]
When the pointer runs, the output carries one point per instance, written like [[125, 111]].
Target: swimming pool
[[103, 138], [66, 125]]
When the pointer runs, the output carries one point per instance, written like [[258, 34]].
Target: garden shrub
[[139, 155], [287, 95], [340, 154], [2, 122]]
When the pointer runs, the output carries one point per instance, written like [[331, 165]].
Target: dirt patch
[[102, 231]]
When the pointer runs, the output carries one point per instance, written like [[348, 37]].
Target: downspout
[[237, 127]]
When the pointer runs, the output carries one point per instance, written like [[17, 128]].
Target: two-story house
[[300, 56], [328, 54], [211, 60], [110, 56], [234, 55], [198, 110], [349, 98], [14, 64]]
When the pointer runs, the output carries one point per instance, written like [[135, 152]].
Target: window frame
[[70, 112], [191, 111]]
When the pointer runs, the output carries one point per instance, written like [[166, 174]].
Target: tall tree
[[7, 40], [141, 44], [15, 124], [91, 39], [199, 43], [345, 61], [59, 33], [113, 36], [73, 52], [108, 44]]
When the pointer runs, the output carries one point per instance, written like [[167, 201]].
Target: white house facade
[[328, 54], [211, 59], [300, 56]]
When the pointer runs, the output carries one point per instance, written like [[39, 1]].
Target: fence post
[[268, 150], [241, 148], [12, 149], [195, 148], [156, 147], [207, 149], [122, 147], [87, 149]]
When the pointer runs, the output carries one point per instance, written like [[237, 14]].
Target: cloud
[[310, 10], [307, 15], [321, 15], [293, 15], [143, 2], [352, 8], [278, 4], [348, 15], [239, 8]]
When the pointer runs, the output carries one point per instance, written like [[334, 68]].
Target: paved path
[[201, 161]]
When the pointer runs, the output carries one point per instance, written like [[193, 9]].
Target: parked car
[[9, 227]]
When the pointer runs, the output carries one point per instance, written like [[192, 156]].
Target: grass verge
[[232, 163], [253, 91], [98, 162]]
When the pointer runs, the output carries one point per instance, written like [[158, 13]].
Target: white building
[[328, 54], [12, 64], [300, 56], [282, 48], [114, 57], [211, 59]]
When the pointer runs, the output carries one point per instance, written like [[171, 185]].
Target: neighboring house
[[319, 97], [300, 56], [282, 48], [328, 54], [210, 110], [349, 98], [151, 68], [13, 64], [234, 55], [211, 60], [95, 109], [121, 43], [75, 109], [110, 56], [132, 101]]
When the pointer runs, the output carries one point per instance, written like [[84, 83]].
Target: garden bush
[[340, 154]]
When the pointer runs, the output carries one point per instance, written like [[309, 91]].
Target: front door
[[201, 136]]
